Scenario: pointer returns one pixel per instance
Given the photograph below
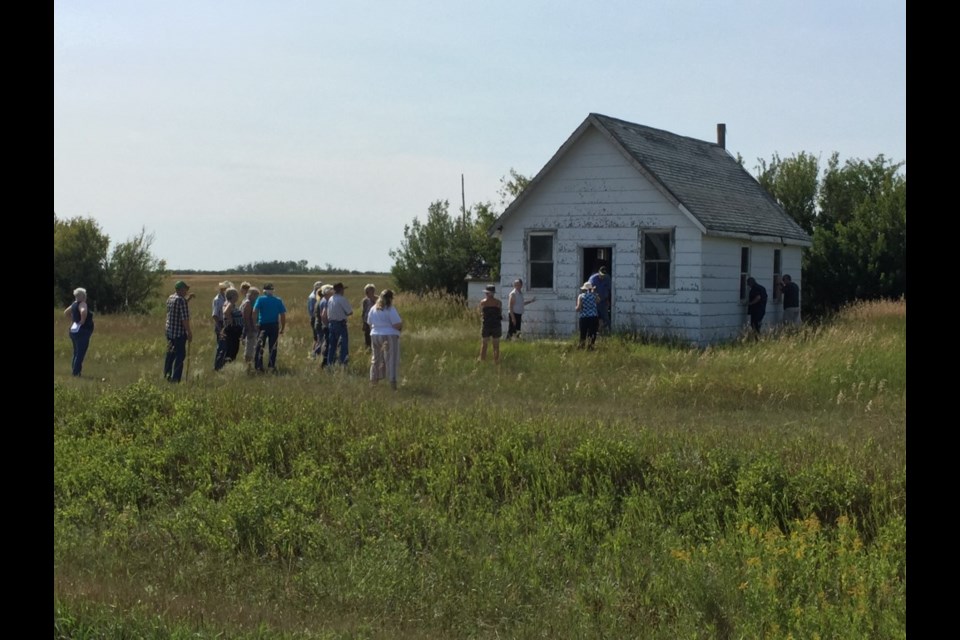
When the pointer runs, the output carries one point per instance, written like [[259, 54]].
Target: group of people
[[588, 308], [757, 302], [256, 319], [329, 310]]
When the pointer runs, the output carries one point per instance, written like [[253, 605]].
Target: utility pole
[[463, 200]]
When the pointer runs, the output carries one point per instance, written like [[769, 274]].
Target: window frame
[[745, 255], [531, 280], [670, 261], [777, 273]]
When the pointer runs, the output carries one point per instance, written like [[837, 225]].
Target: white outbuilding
[[678, 222]]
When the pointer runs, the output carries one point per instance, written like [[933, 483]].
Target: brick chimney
[[722, 135]]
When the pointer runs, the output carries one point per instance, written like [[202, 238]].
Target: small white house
[[679, 223]]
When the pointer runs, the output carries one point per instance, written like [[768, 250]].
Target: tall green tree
[[860, 250], [133, 275], [435, 254], [124, 280], [794, 183], [511, 185], [845, 187], [438, 253], [79, 260], [856, 212]]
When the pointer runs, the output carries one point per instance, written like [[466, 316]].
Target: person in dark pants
[[216, 315], [588, 312], [601, 286], [491, 327], [178, 332], [791, 300], [515, 307], [756, 304], [81, 328], [272, 320], [323, 323], [338, 309]]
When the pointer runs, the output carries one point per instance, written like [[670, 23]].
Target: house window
[[657, 256], [776, 275], [540, 260], [744, 271]]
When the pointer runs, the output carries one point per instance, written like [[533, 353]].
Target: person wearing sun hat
[[216, 315], [338, 309], [272, 320], [178, 332], [312, 300], [588, 313], [323, 323], [491, 317]]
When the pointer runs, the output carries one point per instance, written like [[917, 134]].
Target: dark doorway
[[593, 259]]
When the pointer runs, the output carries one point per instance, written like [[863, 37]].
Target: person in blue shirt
[[601, 286], [272, 320], [588, 314]]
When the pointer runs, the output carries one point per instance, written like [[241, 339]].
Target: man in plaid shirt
[[178, 332]]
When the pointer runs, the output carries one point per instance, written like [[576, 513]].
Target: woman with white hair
[[81, 329], [385, 326]]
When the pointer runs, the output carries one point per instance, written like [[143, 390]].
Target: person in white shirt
[[385, 326], [338, 309], [515, 305]]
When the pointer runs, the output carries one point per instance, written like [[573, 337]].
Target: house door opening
[[593, 259]]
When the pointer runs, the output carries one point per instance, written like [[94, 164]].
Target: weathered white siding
[[594, 197], [723, 314]]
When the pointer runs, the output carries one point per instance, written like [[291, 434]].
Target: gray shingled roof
[[706, 179], [699, 175]]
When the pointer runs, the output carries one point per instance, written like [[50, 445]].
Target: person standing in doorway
[[601, 287], [178, 332], [515, 307], [791, 300]]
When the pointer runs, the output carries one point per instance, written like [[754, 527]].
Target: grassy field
[[750, 490]]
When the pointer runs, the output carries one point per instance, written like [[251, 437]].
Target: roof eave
[[497, 225], [736, 235]]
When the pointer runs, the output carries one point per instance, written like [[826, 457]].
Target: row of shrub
[[468, 523]]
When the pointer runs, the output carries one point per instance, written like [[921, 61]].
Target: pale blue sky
[[243, 131]]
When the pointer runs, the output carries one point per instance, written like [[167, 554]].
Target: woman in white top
[[385, 325]]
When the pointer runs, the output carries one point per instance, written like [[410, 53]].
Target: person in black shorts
[[491, 316]]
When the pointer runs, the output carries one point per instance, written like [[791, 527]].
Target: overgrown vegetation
[[124, 280], [440, 252], [857, 215], [643, 490]]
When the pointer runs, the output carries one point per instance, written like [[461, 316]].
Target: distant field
[[748, 490]]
